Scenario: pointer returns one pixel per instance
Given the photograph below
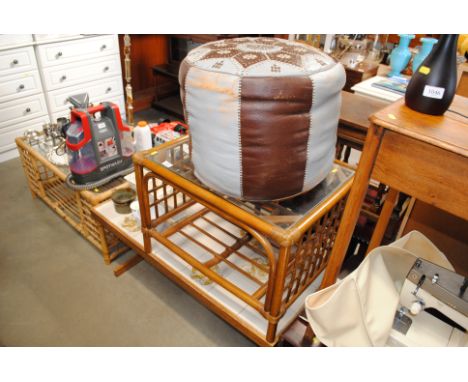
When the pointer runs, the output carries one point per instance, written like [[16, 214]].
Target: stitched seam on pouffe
[[184, 101], [310, 128], [185, 106], [184, 89], [239, 140]]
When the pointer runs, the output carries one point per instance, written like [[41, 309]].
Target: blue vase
[[426, 47], [400, 55]]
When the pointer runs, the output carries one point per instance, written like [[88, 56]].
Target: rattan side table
[[251, 263]]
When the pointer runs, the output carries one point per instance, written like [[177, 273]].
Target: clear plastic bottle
[[127, 143], [142, 134], [83, 160]]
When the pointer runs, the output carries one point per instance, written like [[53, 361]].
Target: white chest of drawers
[[39, 72], [84, 65]]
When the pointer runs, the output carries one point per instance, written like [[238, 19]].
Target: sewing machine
[[433, 308]]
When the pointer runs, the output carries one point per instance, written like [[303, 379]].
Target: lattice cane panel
[[310, 256], [67, 203]]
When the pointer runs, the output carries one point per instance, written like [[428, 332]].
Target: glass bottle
[[401, 55], [432, 87]]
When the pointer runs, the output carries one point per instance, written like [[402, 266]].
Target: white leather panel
[[213, 107], [324, 116]]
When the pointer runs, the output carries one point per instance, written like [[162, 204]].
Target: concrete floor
[[55, 289]]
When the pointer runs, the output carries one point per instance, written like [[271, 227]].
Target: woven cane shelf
[[47, 182], [251, 263]]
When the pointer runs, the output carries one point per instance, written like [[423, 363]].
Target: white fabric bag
[[359, 310]]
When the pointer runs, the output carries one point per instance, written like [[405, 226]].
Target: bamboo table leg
[[384, 218], [23, 163], [104, 245], [354, 203], [129, 264], [283, 259]]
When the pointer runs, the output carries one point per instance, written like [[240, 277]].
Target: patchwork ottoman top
[[263, 115], [259, 57]]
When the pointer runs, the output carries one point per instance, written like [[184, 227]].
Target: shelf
[[199, 245], [170, 105], [168, 70]]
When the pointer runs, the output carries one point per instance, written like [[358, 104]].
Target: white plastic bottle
[[142, 134]]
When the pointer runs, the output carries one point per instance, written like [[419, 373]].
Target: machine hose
[[98, 183]]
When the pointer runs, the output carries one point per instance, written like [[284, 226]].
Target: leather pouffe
[[263, 115]]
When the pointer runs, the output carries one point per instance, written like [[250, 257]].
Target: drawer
[[15, 39], [117, 100], [17, 60], [21, 110], [57, 77], [41, 38], [76, 50], [107, 88], [8, 135], [20, 85]]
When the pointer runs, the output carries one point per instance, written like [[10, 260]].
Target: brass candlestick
[[128, 79]]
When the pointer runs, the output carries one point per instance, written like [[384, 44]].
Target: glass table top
[[176, 157], [46, 149]]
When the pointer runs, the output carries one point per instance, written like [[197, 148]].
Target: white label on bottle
[[433, 92]]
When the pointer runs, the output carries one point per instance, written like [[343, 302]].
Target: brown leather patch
[[183, 70], [275, 120]]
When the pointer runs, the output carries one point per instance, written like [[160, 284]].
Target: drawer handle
[[108, 90], [21, 87], [28, 110], [15, 62], [104, 46], [106, 68], [63, 78], [59, 54]]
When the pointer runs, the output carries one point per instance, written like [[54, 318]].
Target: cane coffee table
[[47, 182], [251, 263]]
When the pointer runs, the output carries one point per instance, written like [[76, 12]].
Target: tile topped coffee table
[[251, 263]]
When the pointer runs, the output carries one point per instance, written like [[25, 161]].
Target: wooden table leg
[[129, 264], [384, 218], [354, 203], [347, 154]]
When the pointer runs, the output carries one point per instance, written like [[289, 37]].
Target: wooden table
[[421, 155]]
